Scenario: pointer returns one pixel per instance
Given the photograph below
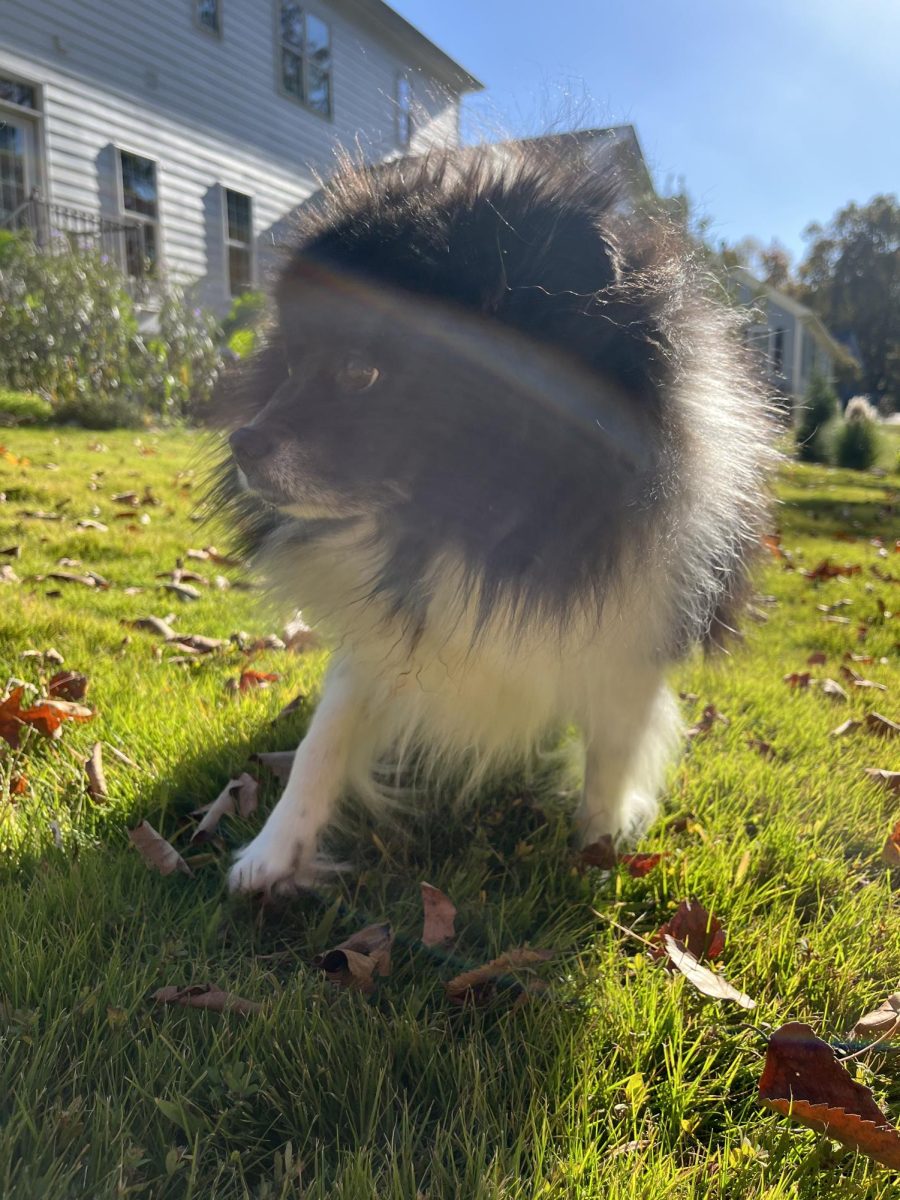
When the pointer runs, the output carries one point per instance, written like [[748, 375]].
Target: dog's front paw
[[273, 863]]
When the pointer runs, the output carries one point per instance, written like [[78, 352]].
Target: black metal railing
[[59, 229]]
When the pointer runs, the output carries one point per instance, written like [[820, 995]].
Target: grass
[[620, 1083]]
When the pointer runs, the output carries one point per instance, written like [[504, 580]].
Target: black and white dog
[[506, 453]]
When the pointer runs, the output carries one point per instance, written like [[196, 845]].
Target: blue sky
[[775, 112]]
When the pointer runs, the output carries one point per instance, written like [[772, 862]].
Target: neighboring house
[[792, 343], [614, 147], [174, 134]]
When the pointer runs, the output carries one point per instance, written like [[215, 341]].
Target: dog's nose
[[249, 444]]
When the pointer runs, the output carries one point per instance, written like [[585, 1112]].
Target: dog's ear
[[244, 388]]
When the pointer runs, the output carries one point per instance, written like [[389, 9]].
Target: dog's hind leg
[[282, 855], [632, 740]]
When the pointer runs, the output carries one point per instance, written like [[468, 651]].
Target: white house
[[792, 343], [175, 134]]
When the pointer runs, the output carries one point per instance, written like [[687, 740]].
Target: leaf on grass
[[831, 687], [154, 625], [847, 726], [477, 987], [440, 914], [818, 658], [7, 574], [601, 854], [704, 980], [208, 996], [156, 851], [639, 865], [356, 962], [826, 569], [708, 718], [882, 1024], [250, 680], [766, 749], [881, 725], [68, 685], [803, 1080], [46, 716], [87, 523], [772, 543], [239, 795], [857, 680], [201, 644], [890, 852], [184, 591], [890, 779], [797, 679], [695, 928], [300, 637], [93, 768], [279, 762]]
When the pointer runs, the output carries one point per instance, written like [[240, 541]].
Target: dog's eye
[[355, 376]]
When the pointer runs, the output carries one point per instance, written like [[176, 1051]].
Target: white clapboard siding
[[142, 77]]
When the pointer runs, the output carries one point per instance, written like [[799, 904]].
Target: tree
[[851, 278]]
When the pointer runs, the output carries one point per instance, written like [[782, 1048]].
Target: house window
[[208, 17], [778, 352], [140, 205], [304, 44], [239, 241], [14, 92], [404, 111]]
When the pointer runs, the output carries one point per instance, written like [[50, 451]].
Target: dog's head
[[458, 341]]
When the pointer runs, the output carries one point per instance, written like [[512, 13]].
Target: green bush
[[819, 408], [857, 444], [248, 311], [24, 408], [179, 365]]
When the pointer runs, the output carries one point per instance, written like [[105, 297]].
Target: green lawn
[[618, 1081]]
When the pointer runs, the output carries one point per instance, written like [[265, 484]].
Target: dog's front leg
[[282, 855]]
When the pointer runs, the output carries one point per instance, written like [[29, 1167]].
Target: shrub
[[248, 311], [819, 407], [178, 367], [24, 408], [859, 409], [857, 444]]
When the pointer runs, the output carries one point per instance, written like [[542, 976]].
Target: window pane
[[292, 24], [238, 207], [17, 93], [318, 41], [139, 185], [291, 73], [239, 272], [208, 14], [404, 110], [140, 250], [319, 96]]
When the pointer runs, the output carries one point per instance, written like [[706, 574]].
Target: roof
[[805, 315], [605, 139], [382, 20]]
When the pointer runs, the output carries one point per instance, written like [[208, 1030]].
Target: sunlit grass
[[622, 1082]]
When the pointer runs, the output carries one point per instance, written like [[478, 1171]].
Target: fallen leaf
[[440, 914], [601, 854], [203, 645], [857, 680], [208, 996], [704, 980], [299, 637], [356, 961], [694, 928], [476, 987], [818, 658], [87, 523], [890, 779], [772, 543], [881, 725], [93, 768], [291, 707], [68, 685], [255, 679], [708, 718], [882, 1023], [18, 785], [766, 749], [7, 574], [279, 762], [46, 716], [184, 591], [890, 852], [798, 679], [156, 851], [154, 625], [639, 865], [847, 726], [831, 688], [829, 570], [241, 795], [802, 1079]]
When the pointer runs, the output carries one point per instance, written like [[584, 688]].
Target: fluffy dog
[[503, 449]]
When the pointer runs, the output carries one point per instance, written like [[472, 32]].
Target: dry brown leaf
[[96, 779], [476, 987], [881, 725], [829, 570], [154, 625], [890, 852], [766, 749], [704, 980], [847, 726], [208, 996], [299, 637], [68, 685], [695, 928], [439, 916], [889, 779], [803, 1080], [857, 680], [279, 762], [639, 865], [239, 795], [156, 851], [708, 718], [831, 688], [601, 854], [818, 658], [882, 1024], [250, 680], [798, 679], [355, 962], [46, 716]]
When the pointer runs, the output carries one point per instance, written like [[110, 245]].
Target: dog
[[506, 452]]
